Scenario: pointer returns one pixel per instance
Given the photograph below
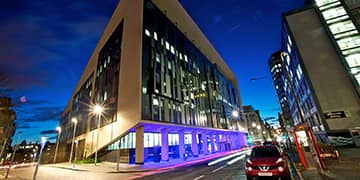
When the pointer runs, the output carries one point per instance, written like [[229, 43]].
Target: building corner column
[[164, 145], [204, 143], [181, 144], [139, 147], [194, 146]]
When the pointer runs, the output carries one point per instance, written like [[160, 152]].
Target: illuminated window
[[157, 57], [342, 27], [147, 32], [167, 45], [105, 95], [155, 102], [351, 51], [333, 13], [337, 19], [299, 72], [338, 36], [324, 2], [155, 36], [172, 50], [185, 57], [329, 6], [355, 70], [289, 48], [289, 40], [353, 60], [187, 138], [357, 77], [349, 42]]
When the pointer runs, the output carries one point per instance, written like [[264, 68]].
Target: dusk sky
[[45, 46]]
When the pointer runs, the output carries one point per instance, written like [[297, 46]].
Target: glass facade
[[293, 71], [80, 106], [343, 31], [107, 78], [179, 84]]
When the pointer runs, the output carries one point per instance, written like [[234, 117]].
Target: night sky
[[45, 45]]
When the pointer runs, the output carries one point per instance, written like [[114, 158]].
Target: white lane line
[[235, 160], [216, 170], [199, 177], [228, 157]]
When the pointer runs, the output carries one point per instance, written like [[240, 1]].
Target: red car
[[266, 161]]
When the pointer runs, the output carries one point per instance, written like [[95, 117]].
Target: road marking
[[235, 160], [199, 177], [216, 170]]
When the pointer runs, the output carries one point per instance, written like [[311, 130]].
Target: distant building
[[7, 127], [166, 91], [321, 53], [255, 126], [275, 66]]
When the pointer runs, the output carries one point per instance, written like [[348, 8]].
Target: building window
[[147, 32], [353, 60], [342, 27], [333, 13], [155, 36], [324, 2], [349, 42]]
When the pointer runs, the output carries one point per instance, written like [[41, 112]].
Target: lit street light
[[235, 113], [58, 129], [43, 142], [258, 127], [253, 125], [97, 110], [74, 120]]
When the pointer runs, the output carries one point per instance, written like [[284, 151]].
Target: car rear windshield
[[265, 152]]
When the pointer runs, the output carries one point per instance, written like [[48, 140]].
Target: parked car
[[267, 161]]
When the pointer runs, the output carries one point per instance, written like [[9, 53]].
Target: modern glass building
[[165, 91], [275, 66], [319, 56]]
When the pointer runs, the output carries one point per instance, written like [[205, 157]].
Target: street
[[203, 171], [220, 170]]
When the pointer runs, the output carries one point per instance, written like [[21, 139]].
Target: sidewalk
[[347, 166], [298, 173], [110, 167]]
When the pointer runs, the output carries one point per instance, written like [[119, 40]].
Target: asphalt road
[[220, 171]]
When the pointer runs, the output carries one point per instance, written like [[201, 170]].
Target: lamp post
[[308, 131], [13, 155], [58, 129], [43, 141], [97, 110], [73, 120], [76, 150]]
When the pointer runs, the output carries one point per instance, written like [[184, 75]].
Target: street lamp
[[58, 129], [97, 110], [253, 125], [73, 120], [235, 113], [258, 127], [43, 142]]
